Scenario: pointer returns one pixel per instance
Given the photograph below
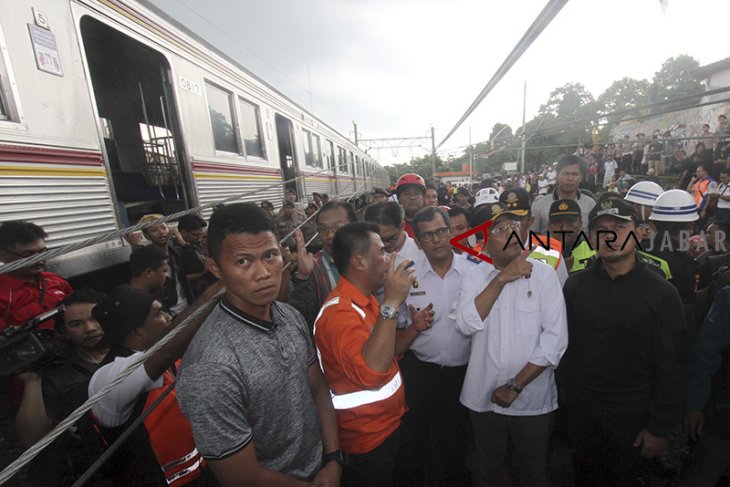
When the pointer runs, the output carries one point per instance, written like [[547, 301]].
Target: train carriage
[[109, 110]]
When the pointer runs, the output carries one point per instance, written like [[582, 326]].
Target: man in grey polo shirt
[[250, 374], [570, 174]]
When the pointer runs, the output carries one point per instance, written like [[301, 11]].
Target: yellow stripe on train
[[46, 171]]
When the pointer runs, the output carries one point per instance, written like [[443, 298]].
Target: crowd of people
[[422, 335]]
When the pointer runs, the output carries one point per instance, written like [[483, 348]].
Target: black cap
[[516, 200], [124, 309], [617, 208], [289, 204], [379, 190], [267, 204], [560, 209]]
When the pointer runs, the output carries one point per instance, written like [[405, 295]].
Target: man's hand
[[305, 260], [694, 424], [518, 268], [503, 396], [398, 282], [134, 239], [650, 445], [328, 476], [422, 320], [175, 233]]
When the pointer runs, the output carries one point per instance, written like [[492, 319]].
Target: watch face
[[387, 311]]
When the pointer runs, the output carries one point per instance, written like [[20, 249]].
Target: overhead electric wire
[[538, 25]]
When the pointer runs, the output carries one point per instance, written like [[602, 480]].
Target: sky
[[399, 67]]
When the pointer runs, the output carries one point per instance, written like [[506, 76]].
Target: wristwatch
[[512, 386], [336, 456], [388, 312]]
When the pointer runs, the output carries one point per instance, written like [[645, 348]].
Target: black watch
[[336, 456]]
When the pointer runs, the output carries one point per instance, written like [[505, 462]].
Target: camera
[[26, 348]]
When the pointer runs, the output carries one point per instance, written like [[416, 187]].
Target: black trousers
[[530, 436], [602, 443], [375, 468], [436, 426]]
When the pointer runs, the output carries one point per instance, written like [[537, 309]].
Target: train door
[[287, 159], [131, 84]]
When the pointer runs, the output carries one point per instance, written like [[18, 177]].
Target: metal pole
[[524, 129], [433, 155], [354, 126], [471, 160]]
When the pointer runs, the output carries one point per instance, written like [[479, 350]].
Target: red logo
[[484, 228]]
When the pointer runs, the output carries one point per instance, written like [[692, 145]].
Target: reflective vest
[[171, 437], [167, 435], [699, 190], [583, 256]]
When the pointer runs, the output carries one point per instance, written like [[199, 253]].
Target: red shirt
[[22, 300], [369, 404], [408, 228]]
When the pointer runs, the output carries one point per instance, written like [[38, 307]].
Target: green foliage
[[676, 78], [419, 165]]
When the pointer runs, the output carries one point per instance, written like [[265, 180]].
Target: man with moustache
[[315, 276], [250, 383], [357, 346], [625, 372], [513, 309], [30, 291]]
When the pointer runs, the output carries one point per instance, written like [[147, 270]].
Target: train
[[110, 109]]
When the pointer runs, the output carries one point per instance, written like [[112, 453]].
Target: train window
[[343, 165], [316, 151], [330, 154], [3, 110], [251, 128], [307, 141], [220, 106], [351, 163]]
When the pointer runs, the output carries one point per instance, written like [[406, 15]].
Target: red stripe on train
[[47, 155], [208, 166]]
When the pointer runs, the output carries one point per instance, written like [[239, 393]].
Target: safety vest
[[583, 256], [167, 434], [171, 437], [699, 190]]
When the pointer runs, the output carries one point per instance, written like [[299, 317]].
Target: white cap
[[485, 196]]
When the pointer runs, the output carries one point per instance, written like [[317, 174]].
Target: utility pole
[[354, 126], [471, 159], [433, 156], [524, 130]]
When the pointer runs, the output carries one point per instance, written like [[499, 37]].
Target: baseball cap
[[379, 190], [617, 208], [516, 200], [560, 209], [124, 309], [501, 209]]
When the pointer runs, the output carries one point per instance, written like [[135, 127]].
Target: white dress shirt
[[526, 324], [443, 343]]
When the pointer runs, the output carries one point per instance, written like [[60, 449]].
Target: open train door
[[287, 157], [133, 94]]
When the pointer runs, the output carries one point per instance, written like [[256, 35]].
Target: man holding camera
[[53, 393]]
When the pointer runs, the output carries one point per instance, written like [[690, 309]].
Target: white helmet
[[675, 205], [644, 193], [485, 196]]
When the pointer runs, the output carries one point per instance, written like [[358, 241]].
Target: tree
[[568, 100], [624, 94], [501, 132], [676, 78]]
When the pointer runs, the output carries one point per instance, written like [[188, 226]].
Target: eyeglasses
[[431, 236], [27, 253], [391, 241], [510, 227], [322, 230]]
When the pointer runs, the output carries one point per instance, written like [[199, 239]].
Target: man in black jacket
[[625, 371]]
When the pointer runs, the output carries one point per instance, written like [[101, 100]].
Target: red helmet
[[410, 179]]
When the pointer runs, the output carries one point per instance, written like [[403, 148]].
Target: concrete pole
[[433, 156], [524, 131]]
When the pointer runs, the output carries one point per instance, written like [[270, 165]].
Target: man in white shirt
[[433, 368], [609, 169], [390, 218], [515, 312], [722, 193]]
